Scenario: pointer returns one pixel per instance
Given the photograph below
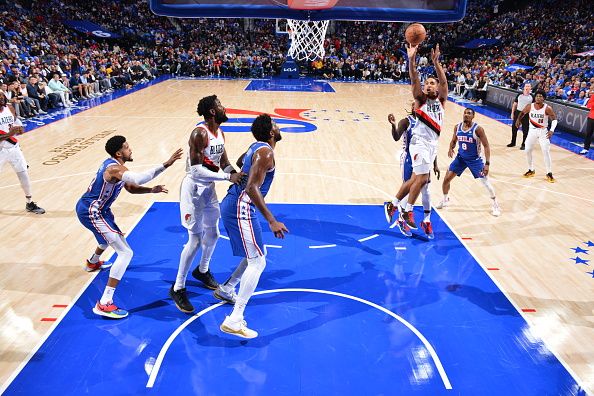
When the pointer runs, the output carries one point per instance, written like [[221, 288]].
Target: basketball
[[415, 34]]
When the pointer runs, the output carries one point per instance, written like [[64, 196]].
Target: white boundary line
[[368, 238], [502, 290], [64, 313], [321, 246], [430, 349]]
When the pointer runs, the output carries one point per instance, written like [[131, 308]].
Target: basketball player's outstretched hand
[[159, 189], [451, 153], [549, 134], [411, 50], [174, 157], [235, 178], [278, 229], [435, 53], [392, 119]]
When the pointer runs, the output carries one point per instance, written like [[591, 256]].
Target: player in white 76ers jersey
[[429, 111], [10, 150], [199, 205], [539, 113]]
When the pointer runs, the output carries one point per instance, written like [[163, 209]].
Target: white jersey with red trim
[[538, 117], [213, 151], [430, 115], [6, 121]]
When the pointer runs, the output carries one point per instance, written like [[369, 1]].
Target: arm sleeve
[[199, 172], [141, 178], [553, 125]]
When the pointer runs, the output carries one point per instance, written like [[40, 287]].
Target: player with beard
[[429, 110], [199, 205], [94, 212], [243, 224]]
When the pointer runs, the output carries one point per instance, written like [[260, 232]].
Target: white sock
[[185, 260], [409, 207], [107, 296], [209, 242], [445, 197], [235, 276], [248, 284], [94, 258], [403, 203], [395, 201], [427, 218]]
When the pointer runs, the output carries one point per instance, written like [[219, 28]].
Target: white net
[[307, 39]]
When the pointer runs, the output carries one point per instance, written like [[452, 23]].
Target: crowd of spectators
[[47, 65]]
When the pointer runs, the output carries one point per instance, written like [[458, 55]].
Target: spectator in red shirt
[[590, 124]]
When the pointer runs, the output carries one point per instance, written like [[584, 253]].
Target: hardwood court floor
[[348, 161]]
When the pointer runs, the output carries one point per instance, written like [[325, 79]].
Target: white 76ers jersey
[[212, 152]]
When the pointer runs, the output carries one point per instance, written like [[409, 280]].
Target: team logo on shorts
[[187, 217], [416, 156]]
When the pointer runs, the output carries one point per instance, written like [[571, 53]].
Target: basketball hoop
[[307, 39]]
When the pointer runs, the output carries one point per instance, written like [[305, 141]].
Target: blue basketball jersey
[[101, 194], [237, 189], [469, 147]]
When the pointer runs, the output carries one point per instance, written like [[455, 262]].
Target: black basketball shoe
[[180, 298], [209, 281]]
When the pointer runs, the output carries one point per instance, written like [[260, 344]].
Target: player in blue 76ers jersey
[[238, 211], [94, 212], [470, 137]]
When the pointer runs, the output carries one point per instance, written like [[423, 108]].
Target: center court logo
[[288, 120]]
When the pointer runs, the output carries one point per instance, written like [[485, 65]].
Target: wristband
[[487, 163]]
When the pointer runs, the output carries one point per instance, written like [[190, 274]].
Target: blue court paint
[[310, 343], [290, 85]]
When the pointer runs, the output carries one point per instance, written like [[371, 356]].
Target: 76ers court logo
[[288, 120]]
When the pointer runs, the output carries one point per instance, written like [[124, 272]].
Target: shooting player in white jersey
[[429, 110]]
